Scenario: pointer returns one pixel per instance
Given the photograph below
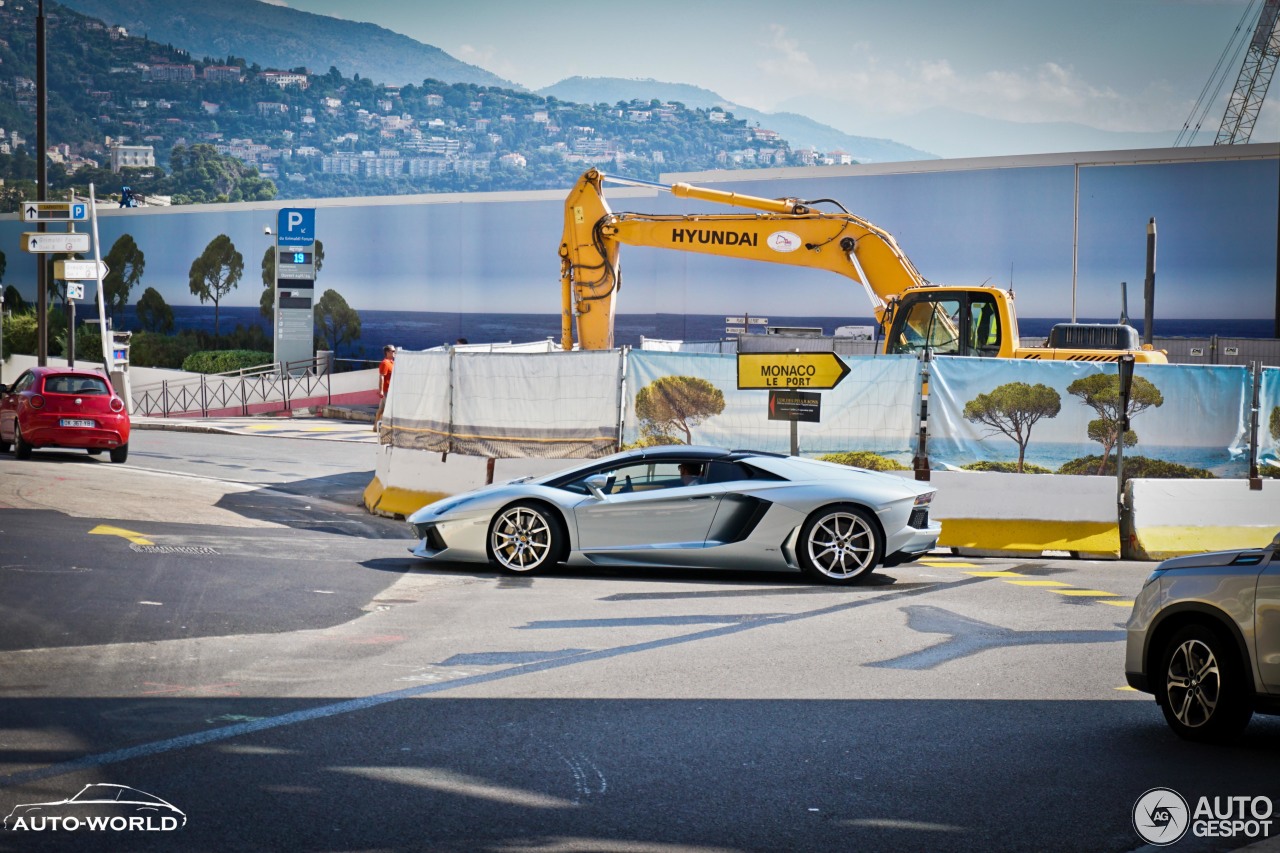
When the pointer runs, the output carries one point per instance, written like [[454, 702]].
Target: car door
[[1267, 623], [9, 402], [647, 506]]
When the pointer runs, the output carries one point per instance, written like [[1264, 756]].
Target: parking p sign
[[296, 226]]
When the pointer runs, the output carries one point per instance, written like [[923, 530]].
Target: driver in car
[[691, 474]]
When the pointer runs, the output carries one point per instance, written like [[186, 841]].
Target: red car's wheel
[[21, 448], [119, 454]]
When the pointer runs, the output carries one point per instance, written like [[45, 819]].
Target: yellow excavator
[[912, 313]]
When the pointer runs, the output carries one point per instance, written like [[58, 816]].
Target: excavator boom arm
[[785, 231]]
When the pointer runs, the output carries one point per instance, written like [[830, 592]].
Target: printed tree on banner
[[339, 323], [154, 314], [215, 273], [1101, 392], [1013, 409], [676, 403], [125, 263]]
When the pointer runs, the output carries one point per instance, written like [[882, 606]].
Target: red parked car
[[63, 407]]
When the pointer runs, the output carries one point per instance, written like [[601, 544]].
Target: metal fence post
[[1255, 418], [921, 460], [623, 357]]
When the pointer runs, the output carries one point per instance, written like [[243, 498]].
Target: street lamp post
[[42, 188]]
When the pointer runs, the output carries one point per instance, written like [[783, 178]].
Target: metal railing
[[264, 385]]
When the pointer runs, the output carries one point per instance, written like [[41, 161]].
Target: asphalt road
[[274, 665]]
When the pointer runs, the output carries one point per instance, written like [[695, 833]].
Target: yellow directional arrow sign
[[811, 370]]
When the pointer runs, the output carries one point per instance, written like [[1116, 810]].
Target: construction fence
[[1043, 414]]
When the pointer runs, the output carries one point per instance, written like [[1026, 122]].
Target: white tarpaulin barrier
[[541, 405]]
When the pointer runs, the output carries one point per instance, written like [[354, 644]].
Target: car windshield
[[75, 384]]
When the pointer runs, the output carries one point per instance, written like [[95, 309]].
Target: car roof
[[65, 371], [688, 451]]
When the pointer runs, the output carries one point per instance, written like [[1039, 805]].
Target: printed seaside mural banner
[[1065, 417], [1006, 221], [693, 398], [1269, 419]]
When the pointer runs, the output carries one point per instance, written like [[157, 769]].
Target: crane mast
[[1255, 76]]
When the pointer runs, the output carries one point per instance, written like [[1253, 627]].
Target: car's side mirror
[[596, 484]]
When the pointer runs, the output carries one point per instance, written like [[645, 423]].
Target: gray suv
[[1204, 638]]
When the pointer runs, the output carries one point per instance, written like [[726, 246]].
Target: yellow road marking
[[1126, 687], [1096, 593], [132, 536], [1038, 583], [1118, 603], [947, 564], [994, 574]]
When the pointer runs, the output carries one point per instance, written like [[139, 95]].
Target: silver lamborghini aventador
[[695, 507]]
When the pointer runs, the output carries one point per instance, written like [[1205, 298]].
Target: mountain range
[[280, 37], [799, 130]]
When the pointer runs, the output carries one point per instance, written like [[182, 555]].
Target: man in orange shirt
[[384, 381]]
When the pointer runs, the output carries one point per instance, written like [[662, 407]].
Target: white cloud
[[488, 58], [874, 86]]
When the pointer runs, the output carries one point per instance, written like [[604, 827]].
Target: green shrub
[[1139, 467], [153, 349], [20, 333], [864, 459], [225, 361], [1006, 467], [652, 440]]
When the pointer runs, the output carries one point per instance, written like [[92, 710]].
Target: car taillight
[[117, 405], [35, 401]]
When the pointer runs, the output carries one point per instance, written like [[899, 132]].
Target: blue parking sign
[[296, 226]]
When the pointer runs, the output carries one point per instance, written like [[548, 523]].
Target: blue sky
[[1118, 65]]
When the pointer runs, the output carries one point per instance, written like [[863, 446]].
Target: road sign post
[[295, 267], [795, 406]]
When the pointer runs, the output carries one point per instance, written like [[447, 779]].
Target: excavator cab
[[948, 322]]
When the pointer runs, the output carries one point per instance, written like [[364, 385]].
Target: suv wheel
[[1203, 689]]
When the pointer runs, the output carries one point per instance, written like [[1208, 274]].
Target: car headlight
[[925, 499], [1153, 577]]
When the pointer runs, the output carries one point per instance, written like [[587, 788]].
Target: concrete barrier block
[[406, 480], [1171, 518], [995, 513]]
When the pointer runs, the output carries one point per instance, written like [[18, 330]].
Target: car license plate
[[76, 422]]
